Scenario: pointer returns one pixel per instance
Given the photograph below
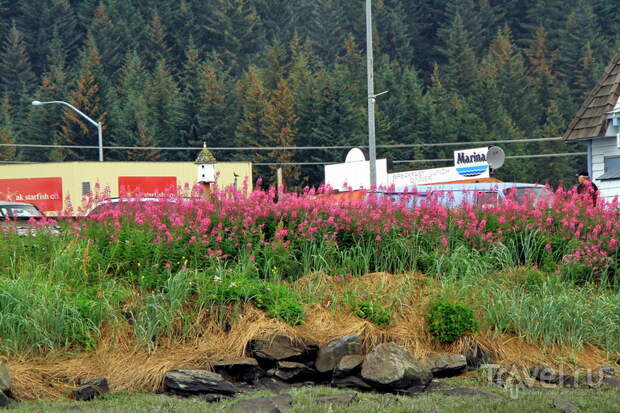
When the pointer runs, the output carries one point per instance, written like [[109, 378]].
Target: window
[[612, 163], [85, 188]]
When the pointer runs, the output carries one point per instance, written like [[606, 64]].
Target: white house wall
[[600, 149]]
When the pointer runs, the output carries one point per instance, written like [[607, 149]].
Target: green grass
[[304, 402]]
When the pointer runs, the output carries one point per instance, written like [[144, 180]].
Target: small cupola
[[205, 165]]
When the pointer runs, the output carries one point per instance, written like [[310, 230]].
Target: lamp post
[[372, 149], [97, 124]]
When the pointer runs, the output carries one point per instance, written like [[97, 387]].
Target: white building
[[598, 123]]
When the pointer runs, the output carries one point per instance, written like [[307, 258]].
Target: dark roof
[[591, 119], [611, 174]]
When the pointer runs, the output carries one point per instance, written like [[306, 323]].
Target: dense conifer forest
[[293, 73]]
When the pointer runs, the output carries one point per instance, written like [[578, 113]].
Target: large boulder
[[391, 367], [330, 354], [349, 365], [4, 400], [445, 365], [282, 348], [191, 382], [5, 379], [91, 389]]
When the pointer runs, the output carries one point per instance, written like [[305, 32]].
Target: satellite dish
[[355, 155], [495, 157]]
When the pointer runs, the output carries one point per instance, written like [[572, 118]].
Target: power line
[[280, 148], [542, 155]]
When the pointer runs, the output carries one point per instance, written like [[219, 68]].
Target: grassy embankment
[[141, 289]]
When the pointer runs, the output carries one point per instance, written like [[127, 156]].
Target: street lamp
[[97, 124]]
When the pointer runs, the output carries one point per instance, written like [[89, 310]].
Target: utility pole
[[371, 96]]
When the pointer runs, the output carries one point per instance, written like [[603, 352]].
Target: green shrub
[[450, 320], [373, 312]]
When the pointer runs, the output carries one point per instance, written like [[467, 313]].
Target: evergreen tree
[[165, 110], [89, 97], [461, 70], [326, 29], [7, 153], [395, 37], [541, 73], [279, 129], [16, 76], [43, 124], [157, 42], [581, 32], [505, 62], [130, 113], [234, 33], [216, 117], [108, 40], [253, 101]]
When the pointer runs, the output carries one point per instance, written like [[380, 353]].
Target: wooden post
[[279, 181]]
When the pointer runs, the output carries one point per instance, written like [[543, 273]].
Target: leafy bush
[[450, 320], [373, 312]]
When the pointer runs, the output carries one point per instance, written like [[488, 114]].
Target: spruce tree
[[157, 47], [165, 110], [89, 96], [108, 40], [16, 76], [130, 113], [460, 73], [43, 124], [7, 153], [505, 62], [233, 28], [279, 129], [541, 72]]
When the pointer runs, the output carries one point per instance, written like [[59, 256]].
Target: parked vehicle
[[481, 194], [22, 217]]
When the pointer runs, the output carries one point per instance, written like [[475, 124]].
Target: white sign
[[472, 163], [424, 176], [354, 175]]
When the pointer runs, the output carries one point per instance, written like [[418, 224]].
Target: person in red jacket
[[586, 186]]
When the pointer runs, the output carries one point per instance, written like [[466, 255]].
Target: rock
[[351, 382], [276, 404], [211, 398], [445, 365], [391, 367], [343, 399], [273, 384], [244, 370], [476, 355], [434, 411], [610, 382], [5, 379], [548, 375], [91, 389], [349, 366], [566, 406], [545, 374], [435, 385], [188, 382], [607, 370], [466, 391], [330, 354], [4, 400], [282, 348], [294, 372]]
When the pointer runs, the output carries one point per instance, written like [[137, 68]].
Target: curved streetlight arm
[[37, 103], [97, 124]]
